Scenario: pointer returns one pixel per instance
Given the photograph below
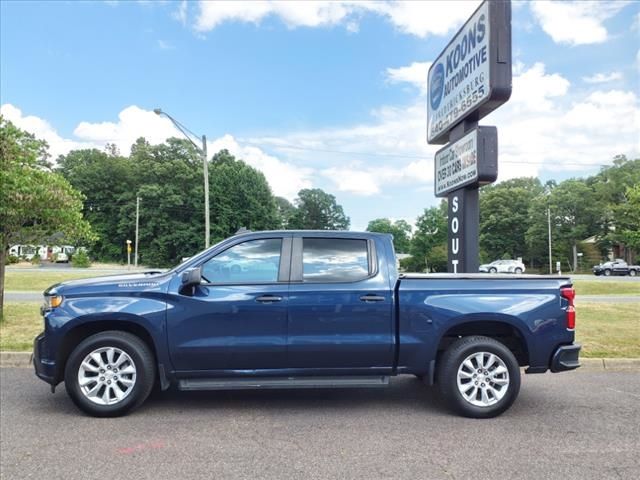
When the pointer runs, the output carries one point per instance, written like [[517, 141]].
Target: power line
[[287, 146]]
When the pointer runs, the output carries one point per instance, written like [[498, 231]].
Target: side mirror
[[192, 277]]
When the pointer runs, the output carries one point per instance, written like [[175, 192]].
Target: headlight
[[53, 301]]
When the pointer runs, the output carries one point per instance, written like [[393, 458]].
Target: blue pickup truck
[[302, 309]]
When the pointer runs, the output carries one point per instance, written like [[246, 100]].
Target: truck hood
[[107, 283]]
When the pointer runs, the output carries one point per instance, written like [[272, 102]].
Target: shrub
[[9, 259], [36, 260], [80, 260]]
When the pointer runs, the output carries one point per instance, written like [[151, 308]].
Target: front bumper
[[566, 358], [45, 368]]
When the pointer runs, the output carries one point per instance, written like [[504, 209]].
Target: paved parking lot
[[580, 425]]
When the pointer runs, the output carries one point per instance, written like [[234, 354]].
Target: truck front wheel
[[110, 373], [478, 377]]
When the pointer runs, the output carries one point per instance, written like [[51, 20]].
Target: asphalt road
[[577, 425]]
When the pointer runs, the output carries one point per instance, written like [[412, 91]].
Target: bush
[[81, 260], [36, 260], [9, 259]]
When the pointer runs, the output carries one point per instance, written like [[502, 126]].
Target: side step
[[282, 382]]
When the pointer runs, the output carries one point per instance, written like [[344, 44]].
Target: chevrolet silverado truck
[[302, 309]]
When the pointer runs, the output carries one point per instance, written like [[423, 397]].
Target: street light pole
[[202, 150], [549, 225], [135, 256], [205, 165]]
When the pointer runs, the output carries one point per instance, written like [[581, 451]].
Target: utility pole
[[549, 225], [205, 165], [135, 261]]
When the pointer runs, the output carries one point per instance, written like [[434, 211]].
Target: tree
[[108, 183], [34, 202], [400, 230], [429, 244], [628, 218], [575, 214], [240, 197], [168, 180], [505, 216], [285, 210], [318, 210]]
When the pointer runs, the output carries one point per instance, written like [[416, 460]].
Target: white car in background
[[503, 266]]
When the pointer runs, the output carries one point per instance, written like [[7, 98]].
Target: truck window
[[255, 261], [334, 260]]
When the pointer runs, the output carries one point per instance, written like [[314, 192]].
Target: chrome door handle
[[372, 298], [268, 299]]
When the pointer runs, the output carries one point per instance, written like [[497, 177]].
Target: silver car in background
[[503, 266]]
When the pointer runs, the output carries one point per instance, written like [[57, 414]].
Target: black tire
[[518, 270], [607, 273], [447, 376], [144, 363], [632, 273], [493, 270]]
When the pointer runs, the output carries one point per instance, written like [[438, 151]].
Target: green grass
[[20, 325], [40, 281], [604, 329], [609, 330], [607, 287]]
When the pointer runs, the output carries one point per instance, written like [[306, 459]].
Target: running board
[[282, 382]]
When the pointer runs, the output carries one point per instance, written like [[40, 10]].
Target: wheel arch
[[83, 330], [504, 329]]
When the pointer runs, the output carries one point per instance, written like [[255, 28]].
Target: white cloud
[[133, 123], [180, 13], [436, 17], [543, 126], [603, 77], [293, 14], [354, 180], [285, 179], [415, 74], [416, 18], [42, 130], [536, 91], [575, 22]]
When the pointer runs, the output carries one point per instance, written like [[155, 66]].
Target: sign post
[[128, 254], [469, 79]]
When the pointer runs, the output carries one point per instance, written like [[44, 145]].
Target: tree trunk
[[575, 258], [3, 256]]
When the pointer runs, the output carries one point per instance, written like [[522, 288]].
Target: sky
[[318, 94]]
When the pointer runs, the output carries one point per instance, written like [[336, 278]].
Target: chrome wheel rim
[[483, 379], [107, 376]]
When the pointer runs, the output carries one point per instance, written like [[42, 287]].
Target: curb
[[23, 360], [15, 359]]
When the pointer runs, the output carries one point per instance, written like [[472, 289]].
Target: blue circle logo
[[436, 86]]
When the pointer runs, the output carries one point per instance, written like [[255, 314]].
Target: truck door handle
[[268, 299], [372, 298]]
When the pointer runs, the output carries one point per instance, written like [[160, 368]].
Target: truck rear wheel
[[478, 377], [110, 373]]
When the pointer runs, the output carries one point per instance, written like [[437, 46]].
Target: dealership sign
[[468, 80], [470, 161], [472, 76]]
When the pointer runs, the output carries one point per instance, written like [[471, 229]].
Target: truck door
[[340, 305], [237, 318]]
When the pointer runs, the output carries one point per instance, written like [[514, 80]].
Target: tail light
[[569, 293]]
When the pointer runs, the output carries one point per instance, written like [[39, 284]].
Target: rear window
[[334, 260]]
